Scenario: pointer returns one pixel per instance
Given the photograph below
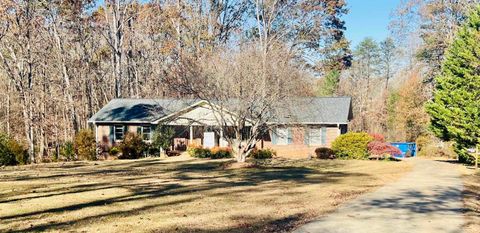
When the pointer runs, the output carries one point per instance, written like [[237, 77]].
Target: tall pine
[[455, 108]]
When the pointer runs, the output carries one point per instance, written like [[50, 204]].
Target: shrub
[[324, 153], [114, 151], [352, 145], [378, 137], [438, 148], [68, 151], [85, 146], [221, 152], [19, 151], [382, 148], [132, 146], [199, 152], [12, 152], [263, 153], [173, 153], [6, 155], [424, 140]]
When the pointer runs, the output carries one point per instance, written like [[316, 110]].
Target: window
[[118, 132], [146, 133], [314, 136], [282, 136], [324, 135]]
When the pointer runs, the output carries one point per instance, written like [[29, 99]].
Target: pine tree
[[455, 108], [329, 85]]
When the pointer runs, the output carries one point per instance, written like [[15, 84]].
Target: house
[[303, 125]]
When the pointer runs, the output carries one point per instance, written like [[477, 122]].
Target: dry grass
[[471, 199], [164, 195]]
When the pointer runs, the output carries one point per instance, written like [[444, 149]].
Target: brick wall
[[298, 149]]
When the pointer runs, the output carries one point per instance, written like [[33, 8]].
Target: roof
[[309, 110], [139, 110], [334, 110]]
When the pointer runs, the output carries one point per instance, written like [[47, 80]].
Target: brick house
[[300, 128]]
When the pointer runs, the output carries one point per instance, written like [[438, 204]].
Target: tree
[[360, 77], [242, 95], [162, 137], [455, 109], [18, 35], [387, 58], [435, 22], [329, 84], [411, 118], [61, 61]]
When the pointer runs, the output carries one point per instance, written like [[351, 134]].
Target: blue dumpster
[[407, 148]]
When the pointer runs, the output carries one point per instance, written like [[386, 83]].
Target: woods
[[61, 61]]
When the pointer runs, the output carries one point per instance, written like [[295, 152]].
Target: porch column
[[191, 134], [96, 132], [221, 144]]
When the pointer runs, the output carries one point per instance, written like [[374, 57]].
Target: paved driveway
[[426, 200]]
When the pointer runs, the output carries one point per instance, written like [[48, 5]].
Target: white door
[[208, 139]]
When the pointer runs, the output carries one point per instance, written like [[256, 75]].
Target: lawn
[[181, 194]]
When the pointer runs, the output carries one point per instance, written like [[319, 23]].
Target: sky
[[368, 18]]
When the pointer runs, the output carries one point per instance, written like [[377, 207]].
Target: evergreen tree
[[455, 108], [329, 85]]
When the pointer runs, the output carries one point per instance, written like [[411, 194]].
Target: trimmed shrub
[[132, 146], [352, 145], [68, 151], [198, 151], [382, 148], [201, 153], [114, 151], [263, 153], [173, 153], [221, 152], [324, 153], [85, 146]]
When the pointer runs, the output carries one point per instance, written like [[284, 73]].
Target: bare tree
[[243, 96]]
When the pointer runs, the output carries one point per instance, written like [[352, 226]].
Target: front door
[[208, 139]]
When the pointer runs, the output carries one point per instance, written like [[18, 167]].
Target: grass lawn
[[181, 194]]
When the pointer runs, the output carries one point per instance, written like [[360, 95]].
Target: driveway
[[428, 199]]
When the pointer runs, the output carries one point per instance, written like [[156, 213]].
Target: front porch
[[205, 136]]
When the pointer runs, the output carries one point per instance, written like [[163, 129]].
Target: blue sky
[[368, 18]]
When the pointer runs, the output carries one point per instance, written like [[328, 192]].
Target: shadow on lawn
[[167, 181]]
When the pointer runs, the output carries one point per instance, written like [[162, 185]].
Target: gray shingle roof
[[139, 110], [312, 110], [316, 110]]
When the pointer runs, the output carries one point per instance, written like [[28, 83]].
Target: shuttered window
[[282, 136], [119, 132], [146, 133], [315, 136]]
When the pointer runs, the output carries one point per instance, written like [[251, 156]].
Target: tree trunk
[[66, 79]]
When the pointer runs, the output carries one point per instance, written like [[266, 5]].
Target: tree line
[[61, 61], [403, 87]]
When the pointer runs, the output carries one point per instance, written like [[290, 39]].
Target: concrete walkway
[[428, 199]]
